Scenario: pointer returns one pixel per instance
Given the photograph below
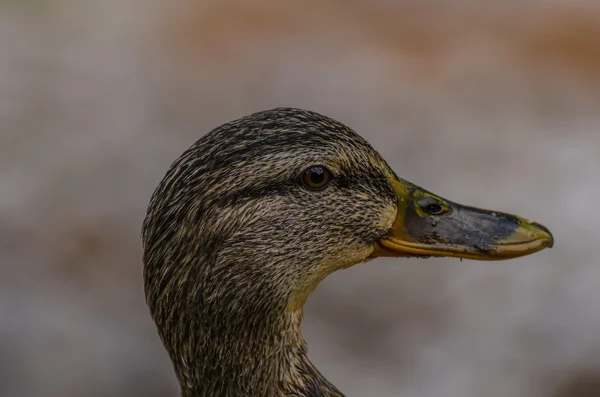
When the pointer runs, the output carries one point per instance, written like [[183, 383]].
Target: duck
[[248, 221]]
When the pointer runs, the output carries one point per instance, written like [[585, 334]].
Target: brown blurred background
[[493, 104]]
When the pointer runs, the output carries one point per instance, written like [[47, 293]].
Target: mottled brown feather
[[234, 243]]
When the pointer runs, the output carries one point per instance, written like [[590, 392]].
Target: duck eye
[[432, 206], [316, 178]]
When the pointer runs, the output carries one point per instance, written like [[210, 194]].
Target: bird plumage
[[234, 243]]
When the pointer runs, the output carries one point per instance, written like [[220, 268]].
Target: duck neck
[[249, 355]]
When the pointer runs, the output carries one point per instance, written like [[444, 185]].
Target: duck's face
[[298, 201], [280, 199], [283, 198]]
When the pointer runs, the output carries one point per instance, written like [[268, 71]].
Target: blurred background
[[492, 104]]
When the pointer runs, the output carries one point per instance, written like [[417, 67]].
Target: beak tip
[[545, 232]]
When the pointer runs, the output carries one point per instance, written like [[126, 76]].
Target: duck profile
[[255, 214]]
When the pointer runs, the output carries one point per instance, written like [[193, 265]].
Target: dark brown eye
[[316, 178]]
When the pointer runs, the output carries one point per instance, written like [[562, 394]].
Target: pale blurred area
[[492, 104]]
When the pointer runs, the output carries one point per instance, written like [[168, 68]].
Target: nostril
[[433, 209]]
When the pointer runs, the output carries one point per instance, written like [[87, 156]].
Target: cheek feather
[[387, 217], [342, 259]]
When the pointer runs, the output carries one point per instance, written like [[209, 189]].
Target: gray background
[[489, 105]]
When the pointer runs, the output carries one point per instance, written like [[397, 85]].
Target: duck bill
[[427, 225]]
